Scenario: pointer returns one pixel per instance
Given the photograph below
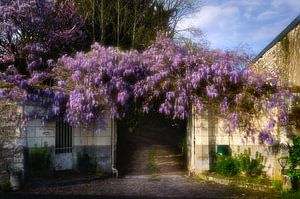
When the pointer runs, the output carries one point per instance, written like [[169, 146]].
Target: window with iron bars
[[63, 137]]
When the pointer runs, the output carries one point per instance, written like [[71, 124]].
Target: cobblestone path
[[143, 186]]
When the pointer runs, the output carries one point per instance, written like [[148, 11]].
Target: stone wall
[[95, 140], [207, 133], [10, 150], [284, 57]]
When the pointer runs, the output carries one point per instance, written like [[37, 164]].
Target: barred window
[[63, 137]]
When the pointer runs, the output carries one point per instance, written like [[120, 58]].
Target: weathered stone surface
[[283, 57]]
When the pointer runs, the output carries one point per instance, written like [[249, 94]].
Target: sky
[[230, 24]]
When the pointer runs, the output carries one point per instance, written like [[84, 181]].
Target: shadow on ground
[[40, 196]]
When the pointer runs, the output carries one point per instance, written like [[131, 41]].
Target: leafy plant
[[85, 162], [152, 166], [251, 167], [294, 161], [5, 186], [183, 145], [227, 165], [290, 194], [40, 158], [277, 184]]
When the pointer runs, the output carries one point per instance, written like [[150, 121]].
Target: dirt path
[[144, 186], [153, 149]]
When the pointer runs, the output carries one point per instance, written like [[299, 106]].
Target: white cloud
[[228, 23], [211, 16], [267, 15], [293, 4]]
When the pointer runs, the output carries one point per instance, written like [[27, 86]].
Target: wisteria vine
[[172, 78]]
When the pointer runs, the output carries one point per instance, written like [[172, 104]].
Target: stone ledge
[[241, 184]]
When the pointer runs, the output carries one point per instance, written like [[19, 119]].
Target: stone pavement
[[140, 186]]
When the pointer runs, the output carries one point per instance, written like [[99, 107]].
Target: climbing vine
[[168, 77]]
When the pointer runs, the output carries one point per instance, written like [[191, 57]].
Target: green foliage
[[5, 187], [40, 158], [153, 168], [85, 162], [183, 145], [227, 165], [277, 184], [251, 167], [290, 194], [131, 24], [294, 160], [233, 165]]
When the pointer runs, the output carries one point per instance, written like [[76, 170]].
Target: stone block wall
[[208, 133], [11, 151], [96, 141], [284, 57]]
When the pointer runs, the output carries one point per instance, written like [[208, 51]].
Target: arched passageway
[[156, 146]]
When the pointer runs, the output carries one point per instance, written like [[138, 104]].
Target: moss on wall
[[285, 46]]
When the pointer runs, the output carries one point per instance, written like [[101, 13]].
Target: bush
[[291, 194], [277, 184], [183, 145], [5, 187], [294, 161], [85, 163], [251, 167], [40, 158], [227, 165]]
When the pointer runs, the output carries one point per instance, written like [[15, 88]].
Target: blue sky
[[228, 24]]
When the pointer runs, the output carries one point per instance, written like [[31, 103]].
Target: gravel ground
[[143, 186]]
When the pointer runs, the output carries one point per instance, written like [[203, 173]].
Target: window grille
[[63, 137]]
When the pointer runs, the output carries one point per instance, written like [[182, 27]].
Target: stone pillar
[[204, 145]]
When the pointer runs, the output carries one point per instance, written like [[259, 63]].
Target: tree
[[34, 31], [132, 24]]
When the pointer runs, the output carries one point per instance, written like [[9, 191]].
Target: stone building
[[205, 134], [63, 143], [205, 131]]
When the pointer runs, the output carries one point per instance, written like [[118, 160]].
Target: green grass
[[152, 166]]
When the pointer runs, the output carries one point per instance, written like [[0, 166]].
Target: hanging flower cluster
[[33, 31], [168, 77], [171, 78]]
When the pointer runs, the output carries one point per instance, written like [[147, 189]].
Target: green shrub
[[152, 165], [5, 187], [291, 194], [294, 161], [277, 184], [40, 158], [85, 162], [251, 167], [183, 145], [227, 165]]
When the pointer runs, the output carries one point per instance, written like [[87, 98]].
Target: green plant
[[5, 186], [86, 163], [294, 161], [251, 167], [227, 165], [183, 145], [152, 166], [40, 158], [277, 184], [290, 194]]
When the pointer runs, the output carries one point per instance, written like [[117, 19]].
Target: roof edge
[[290, 27]]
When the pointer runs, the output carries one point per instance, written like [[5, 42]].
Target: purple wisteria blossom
[[168, 77]]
